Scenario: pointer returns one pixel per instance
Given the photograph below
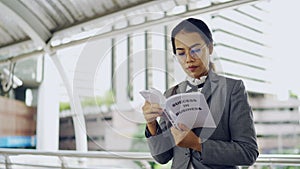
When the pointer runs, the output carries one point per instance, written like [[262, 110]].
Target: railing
[[61, 159], [278, 160], [17, 158]]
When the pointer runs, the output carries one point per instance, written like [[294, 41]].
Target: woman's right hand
[[151, 111]]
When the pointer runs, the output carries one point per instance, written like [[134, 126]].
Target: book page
[[154, 96], [190, 109]]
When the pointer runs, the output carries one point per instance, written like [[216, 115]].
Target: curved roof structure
[[32, 26]]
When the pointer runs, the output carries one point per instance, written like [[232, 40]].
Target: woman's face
[[193, 53]]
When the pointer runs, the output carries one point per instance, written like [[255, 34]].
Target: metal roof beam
[[132, 28], [16, 49], [162, 21], [26, 20], [97, 21]]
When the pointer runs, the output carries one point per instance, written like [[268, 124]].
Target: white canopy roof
[[34, 26]]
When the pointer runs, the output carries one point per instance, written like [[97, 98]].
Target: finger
[[175, 131], [153, 111], [151, 106], [155, 105], [177, 135], [151, 116], [183, 127], [146, 105], [149, 120]]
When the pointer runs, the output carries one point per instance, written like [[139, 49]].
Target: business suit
[[232, 143]]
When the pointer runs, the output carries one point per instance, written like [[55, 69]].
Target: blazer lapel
[[210, 85], [181, 87]]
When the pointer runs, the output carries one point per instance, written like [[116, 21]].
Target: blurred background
[[71, 72]]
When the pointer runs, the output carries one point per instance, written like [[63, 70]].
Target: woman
[[233, 142]]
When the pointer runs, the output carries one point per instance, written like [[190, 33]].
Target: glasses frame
[[193, 55]]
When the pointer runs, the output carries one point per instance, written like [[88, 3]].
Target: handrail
[[90, 154], [263, 159], [279, 159]]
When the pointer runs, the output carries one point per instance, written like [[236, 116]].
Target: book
[[189, 109]]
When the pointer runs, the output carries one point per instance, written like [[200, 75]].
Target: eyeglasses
[[195, 52]]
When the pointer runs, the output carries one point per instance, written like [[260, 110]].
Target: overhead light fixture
[[8, 80]]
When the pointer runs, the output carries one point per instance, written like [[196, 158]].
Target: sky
[[284, 38]]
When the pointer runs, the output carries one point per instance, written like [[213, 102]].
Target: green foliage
[[293, 95], [139, 141], [139, 144], [162, 166], [141, 132], [107, 99], [64, 106], [280, 167]]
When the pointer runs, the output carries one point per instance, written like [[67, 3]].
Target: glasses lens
[[195, 52], [181, 55]]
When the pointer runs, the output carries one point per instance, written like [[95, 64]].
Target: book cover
[[188, 109]]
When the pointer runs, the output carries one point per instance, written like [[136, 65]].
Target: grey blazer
[[231, 144]]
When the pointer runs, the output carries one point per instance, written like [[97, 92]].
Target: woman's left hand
[[184, 137]]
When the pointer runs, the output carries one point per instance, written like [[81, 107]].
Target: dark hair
[[192, 25]]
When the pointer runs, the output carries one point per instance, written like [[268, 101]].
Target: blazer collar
[[209, 87], [210, 84]]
